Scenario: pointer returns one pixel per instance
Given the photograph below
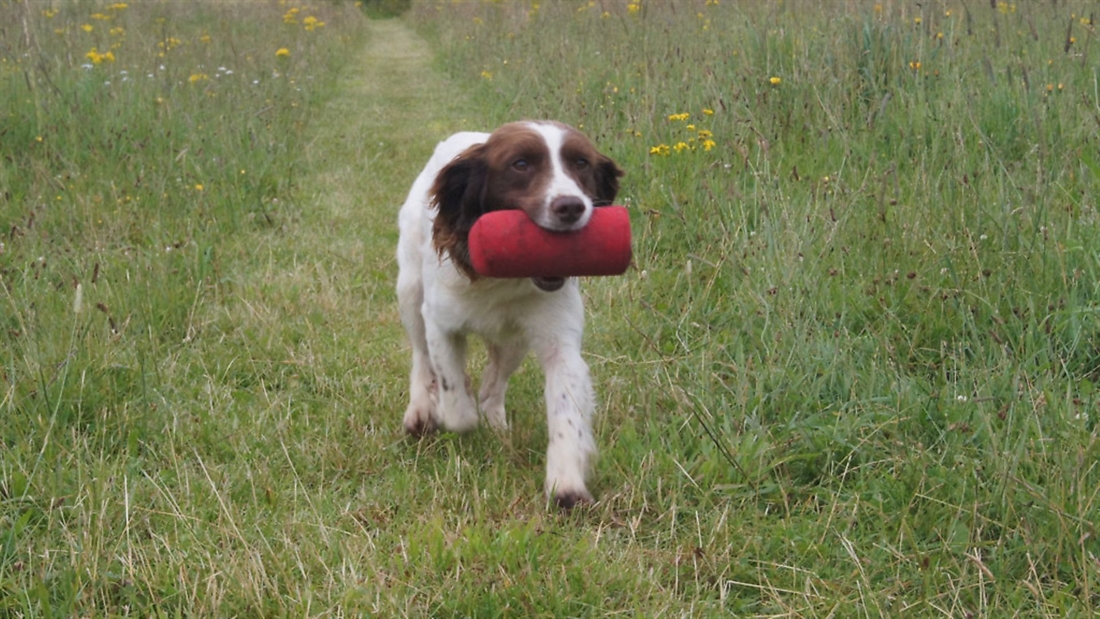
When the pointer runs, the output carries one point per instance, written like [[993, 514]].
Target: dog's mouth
[[548, 284]]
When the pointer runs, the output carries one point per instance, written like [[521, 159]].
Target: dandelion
[[775, 81], [198, 187], [916, 21], [708, 144], [680, 147], [282, 52], [98, 58], [660, 149], [708, 112]]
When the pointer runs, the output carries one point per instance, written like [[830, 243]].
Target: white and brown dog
[[556, 176]]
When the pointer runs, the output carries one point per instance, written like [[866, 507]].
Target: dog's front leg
[[570, 402], [457, 410]]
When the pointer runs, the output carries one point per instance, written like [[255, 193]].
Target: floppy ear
[[607, 181], [458, 193]]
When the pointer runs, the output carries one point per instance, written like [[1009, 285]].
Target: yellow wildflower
[[708, 112], [660, 149], [49, 13], [683, 116], [633, 8], [100, 16], [282, 52], [775, 81], [87, 27], [708, 144], [98, 58], [680, 147], [198, 77]]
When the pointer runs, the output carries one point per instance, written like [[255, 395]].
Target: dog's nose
[[568, 209]]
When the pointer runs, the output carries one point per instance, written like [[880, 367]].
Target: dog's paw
[[569, 499], [495, 417], [419, 421], [460, 419]]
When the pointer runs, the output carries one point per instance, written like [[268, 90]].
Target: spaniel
[[556, 176]]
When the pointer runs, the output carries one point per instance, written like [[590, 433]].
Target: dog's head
[[549, 170]]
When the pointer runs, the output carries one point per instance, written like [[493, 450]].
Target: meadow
[[853, 370]]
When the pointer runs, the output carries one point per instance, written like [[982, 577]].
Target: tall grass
[[143, 148], [866, 302]]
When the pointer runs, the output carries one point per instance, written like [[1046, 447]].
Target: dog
[[554, 174]]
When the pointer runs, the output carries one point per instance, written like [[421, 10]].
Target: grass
[[853, 372]]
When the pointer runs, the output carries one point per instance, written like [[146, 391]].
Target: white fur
[[561, 184], [440, 306]]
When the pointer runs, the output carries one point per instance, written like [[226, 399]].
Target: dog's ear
[[607, 181], [458, 194]]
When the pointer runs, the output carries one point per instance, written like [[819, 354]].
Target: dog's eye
[[520, 165], [581, 163]]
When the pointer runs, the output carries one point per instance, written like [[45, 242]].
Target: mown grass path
[[336, 268]]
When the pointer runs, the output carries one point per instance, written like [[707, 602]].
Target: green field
[[853, 371]]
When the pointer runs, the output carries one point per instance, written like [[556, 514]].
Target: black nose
[[567, 209]]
